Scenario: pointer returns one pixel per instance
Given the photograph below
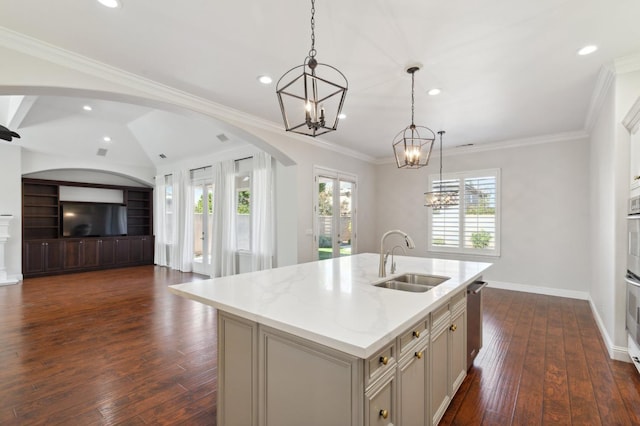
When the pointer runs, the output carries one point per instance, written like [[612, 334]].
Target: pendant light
[[412, 146], [311, 95], [441, 198]]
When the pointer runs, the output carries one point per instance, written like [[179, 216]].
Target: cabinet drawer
[[458, 302], [381, 362], [415, 334]]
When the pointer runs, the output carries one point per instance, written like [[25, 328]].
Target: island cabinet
[[448, 353], [268, 377]]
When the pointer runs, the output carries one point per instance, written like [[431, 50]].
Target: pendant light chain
[[440, 133], [312, 52], [413, 82]]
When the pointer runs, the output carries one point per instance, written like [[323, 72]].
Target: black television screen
[[93, 219]]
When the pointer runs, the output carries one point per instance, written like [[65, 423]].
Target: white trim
[[618, 353], [42, 50], [627, 64], [606, 77], [547, 291], [632, 120], [510, 143]]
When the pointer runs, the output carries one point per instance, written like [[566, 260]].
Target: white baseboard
[[618, 353], [548, 291]]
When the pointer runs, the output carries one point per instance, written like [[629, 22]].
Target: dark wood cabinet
[[107, 252], [42, 257], [46, 252]]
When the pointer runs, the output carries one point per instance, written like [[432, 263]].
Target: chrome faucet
[[383, 259]]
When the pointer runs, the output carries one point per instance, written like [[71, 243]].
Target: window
[[243, 204], [473, 226]]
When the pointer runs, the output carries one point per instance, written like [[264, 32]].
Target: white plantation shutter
[[472, 227]]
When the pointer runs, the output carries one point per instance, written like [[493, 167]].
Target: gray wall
[[544, 216]]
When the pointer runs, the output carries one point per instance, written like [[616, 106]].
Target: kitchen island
[[318, 343]]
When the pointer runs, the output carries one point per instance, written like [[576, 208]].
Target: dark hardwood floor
[[108, 347], [115, 347], [544, 362]]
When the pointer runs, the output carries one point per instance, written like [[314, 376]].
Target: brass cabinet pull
[[384, 360], [419, 355], [453, 327], [416, 334], [384, 413]]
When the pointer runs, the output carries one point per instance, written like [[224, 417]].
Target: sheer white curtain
[[262, 216], [159, 222], [224, 220], [181, 257]]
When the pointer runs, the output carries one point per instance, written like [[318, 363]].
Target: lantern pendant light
[[412, 146], [311, 95], [441, 198]]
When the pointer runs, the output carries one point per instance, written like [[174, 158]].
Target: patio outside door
[[202, 222], [335, 214]]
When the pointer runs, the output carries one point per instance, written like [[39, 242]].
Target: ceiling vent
[[101, 152], [222, 137], [162, 156]]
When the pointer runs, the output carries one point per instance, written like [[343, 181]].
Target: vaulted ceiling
[[507, 70]]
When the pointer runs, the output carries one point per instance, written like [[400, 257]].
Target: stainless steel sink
[[416, 283]]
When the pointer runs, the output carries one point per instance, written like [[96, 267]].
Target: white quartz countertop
[[334, 302]]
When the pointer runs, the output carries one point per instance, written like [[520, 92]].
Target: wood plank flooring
[[109, 347], [543, 362], [115, 347]]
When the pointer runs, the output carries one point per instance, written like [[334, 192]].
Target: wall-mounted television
[[93, 219]]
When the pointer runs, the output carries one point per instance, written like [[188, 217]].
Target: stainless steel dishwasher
[[474, 320]]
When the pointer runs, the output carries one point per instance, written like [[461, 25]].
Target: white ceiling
[[507, 69]]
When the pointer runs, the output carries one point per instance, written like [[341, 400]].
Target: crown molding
[[605, 80], [632, 120], [627, 64], [511, 143], [157, 91]]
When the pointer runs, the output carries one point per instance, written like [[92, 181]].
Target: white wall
[[544, 216], [11, 203], [609, 194]]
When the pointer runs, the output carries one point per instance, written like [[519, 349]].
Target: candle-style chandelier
[[442, 197], [412, 146], [310, 101]]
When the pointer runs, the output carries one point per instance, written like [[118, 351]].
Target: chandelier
[[311, 95], [441, 198], [412, 146]]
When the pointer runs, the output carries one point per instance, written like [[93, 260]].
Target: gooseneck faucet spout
[[410, 244]]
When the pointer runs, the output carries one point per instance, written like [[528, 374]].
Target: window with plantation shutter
[[472, 226]]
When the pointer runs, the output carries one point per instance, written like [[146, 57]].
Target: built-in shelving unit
[[46, 252], [139, 208], [40, 210]]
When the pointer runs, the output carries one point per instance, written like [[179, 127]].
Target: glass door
[[335, 230], [324, 218], [202, 221]]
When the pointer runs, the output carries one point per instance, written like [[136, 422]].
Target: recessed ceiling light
[[265, 79], [434, 92], [342, 116], [106, 139], [112, 4], [87, 108], [587, 50]]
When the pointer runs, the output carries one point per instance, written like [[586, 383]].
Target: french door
[[202, 185], [334, 213]]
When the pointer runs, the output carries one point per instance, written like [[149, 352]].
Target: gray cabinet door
[[458, 358], [413, 378]]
